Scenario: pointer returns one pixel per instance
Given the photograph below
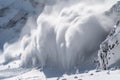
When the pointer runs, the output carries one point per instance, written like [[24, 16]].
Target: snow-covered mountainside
[[14, 15], [109, 49], [57, 38]]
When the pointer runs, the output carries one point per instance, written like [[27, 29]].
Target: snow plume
[[30, 24], [66, 36]]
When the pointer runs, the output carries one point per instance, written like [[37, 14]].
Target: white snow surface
[[12, 72], [91, 75]]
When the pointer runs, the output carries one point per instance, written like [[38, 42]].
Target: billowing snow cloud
[[66, 36]]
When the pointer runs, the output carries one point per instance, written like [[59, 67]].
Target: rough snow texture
[[108, 54], [109, 50]]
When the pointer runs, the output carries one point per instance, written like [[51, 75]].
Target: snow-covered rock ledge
[[109, 53]]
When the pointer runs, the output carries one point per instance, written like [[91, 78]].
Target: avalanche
[[59, 39], [65, 37]]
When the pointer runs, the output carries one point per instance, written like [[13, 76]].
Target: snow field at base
[[92, 75], [34, 74]]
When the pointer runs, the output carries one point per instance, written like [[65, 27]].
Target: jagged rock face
[[109, 54], [13, 17]]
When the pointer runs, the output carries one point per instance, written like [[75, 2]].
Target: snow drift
[[66, 36]]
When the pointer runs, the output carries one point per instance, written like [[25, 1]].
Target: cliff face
[[109, 50], [109, 53]]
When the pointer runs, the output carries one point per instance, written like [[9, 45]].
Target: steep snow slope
[[109, 49], [13, 16]]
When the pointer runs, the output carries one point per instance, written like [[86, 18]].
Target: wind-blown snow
[[66, 36]]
